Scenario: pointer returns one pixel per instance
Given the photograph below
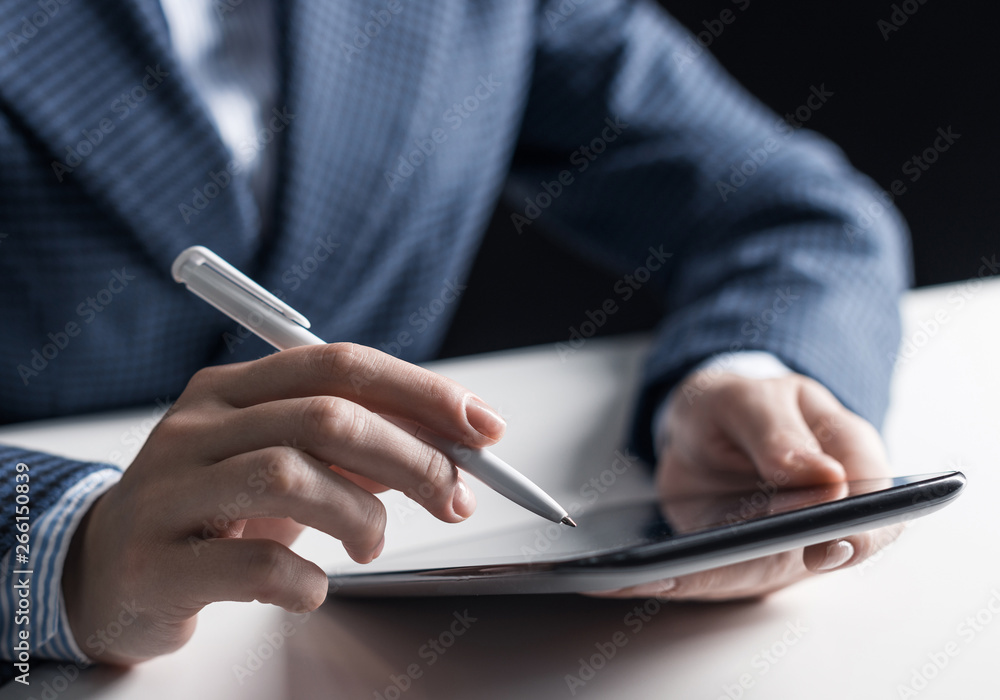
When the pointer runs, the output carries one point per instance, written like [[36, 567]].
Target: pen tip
[[568, 521]]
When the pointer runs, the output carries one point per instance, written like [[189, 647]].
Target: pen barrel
[[498, 475], [258, 318]]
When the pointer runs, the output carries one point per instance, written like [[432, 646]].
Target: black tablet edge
[[759, 537]]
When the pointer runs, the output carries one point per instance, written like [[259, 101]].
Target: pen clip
[[201, 256]]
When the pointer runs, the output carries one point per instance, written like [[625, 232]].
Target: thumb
[[767, 423]]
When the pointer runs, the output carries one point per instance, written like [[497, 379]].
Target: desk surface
[[920, 616]]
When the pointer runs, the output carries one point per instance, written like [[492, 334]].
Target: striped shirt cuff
[[50, 633]]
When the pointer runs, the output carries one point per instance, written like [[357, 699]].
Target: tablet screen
[[607, 528]]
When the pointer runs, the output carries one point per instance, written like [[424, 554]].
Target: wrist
[[75, 580]]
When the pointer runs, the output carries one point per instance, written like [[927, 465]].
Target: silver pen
[[230, 291]]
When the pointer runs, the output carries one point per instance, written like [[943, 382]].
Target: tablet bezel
[[680, 554]]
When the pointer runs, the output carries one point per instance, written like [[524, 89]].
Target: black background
[[890, 97]]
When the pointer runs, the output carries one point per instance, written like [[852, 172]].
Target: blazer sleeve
[[755, 233], [42, 500]]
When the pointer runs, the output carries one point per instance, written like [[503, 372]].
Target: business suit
[[392, 155]]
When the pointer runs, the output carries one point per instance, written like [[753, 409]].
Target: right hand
[[247, 455]]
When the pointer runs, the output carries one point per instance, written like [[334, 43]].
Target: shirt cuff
[[752, 364], [50, 633]]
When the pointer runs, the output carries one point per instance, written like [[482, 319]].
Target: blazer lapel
[[355, 112], [98, 86]]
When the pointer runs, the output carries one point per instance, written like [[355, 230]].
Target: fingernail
[[484, 419], [464, 501], [837, 554], [379, 547]]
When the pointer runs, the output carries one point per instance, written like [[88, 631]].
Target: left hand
[[726, 433]]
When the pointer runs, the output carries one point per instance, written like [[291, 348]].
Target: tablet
[[627, 543]]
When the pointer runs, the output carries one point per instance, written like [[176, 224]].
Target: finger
[[848, 551], [852, 440], [374, 379], [282, 482], [767, 422], [246, 570], [748, 579], [654, 589], [338, 431], [282, 530]]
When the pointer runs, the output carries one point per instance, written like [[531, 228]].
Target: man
[[347, 156]]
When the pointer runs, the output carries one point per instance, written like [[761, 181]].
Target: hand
[[235, 469], [727, 433]]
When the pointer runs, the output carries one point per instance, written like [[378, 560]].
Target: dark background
[[891, 96]]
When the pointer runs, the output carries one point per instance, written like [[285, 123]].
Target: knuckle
[[855, 422], [814, 386], [780, 441], [265, 567], [171, 428], [344, 361], [205, 381], [339, 359], [733, 390], [338, 417], [372, 519], [437, 475], [285, 473], [201, 379], [175, 429]]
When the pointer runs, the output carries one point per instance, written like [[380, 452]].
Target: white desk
[[858, 633]]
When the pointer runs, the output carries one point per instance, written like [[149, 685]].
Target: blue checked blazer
[[400, 125]]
